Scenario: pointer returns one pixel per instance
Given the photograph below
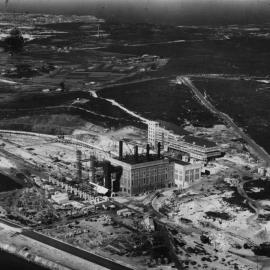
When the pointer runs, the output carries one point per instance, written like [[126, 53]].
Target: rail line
[[261, 153]]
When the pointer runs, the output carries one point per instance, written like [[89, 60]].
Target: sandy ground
[[206, 196], [96, 237], [6, 163], [41, 151], [195, 211]]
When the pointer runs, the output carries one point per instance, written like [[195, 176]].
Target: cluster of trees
[[15, 41]]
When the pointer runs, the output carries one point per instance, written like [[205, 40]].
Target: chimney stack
[[148, 151], [120, 149], [136, 151], [79, 165], [159, 149]]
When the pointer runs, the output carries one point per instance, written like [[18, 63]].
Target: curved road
[[258, 149], [256, 206]]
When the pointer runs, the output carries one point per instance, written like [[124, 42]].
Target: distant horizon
[[176, 12]]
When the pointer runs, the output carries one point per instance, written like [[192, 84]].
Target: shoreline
[[14, 242], [30, 257], [52, 253]]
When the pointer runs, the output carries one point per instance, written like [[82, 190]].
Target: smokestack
[[120, 149], [136, 151], [148, 151], [159, 149], [79, 165]]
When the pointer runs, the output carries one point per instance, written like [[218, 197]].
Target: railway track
[[261, 153]]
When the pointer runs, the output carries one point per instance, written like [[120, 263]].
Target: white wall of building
[[186, 175]]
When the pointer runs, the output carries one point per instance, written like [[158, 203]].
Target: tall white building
[[173, 137], [185, 174]]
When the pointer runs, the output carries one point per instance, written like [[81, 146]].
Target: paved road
[[258, 149], [109, 264], [255, 205]]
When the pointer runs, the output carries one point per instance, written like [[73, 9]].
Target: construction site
[[68, 191], [111, 159], [122, 199]]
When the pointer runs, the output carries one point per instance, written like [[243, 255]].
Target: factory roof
[[132, 159], [181, 162], [187, 138], [172, 127], [199, 141]]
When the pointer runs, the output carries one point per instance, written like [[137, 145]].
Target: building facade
[[145, 176], [185, 174], [172, 137]]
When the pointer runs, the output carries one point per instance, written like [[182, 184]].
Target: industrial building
[[148, 172], [185, 174], [144, 172], [136, 173], [102, 177], [173, 137]]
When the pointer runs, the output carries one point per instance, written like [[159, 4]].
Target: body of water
[[7, 184], [11, 262]]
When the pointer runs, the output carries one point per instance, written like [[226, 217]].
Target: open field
[[162, 100], [246, 101]]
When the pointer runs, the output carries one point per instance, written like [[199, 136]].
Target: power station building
[[148, 172], [145, 172], [173, 137], [136, 173]]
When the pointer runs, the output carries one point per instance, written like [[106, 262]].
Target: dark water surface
[[7, 184], [11, 262]]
